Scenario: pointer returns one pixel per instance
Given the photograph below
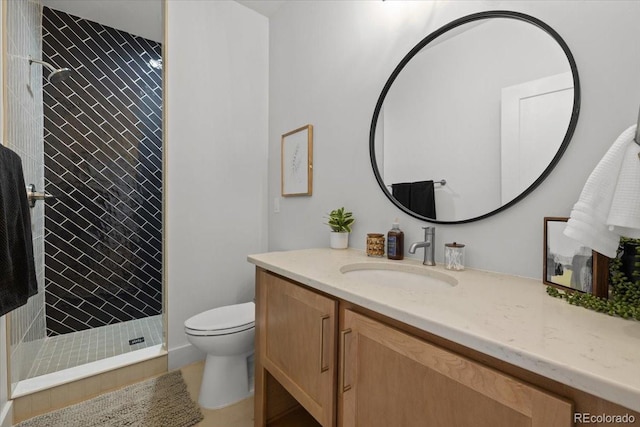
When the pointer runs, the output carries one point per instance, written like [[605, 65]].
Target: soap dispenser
[[395, 242]]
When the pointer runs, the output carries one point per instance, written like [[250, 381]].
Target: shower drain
[[136, 340]]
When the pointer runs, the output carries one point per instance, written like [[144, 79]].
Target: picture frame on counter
[[571, 266], [296, 169]]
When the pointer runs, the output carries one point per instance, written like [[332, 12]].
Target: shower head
[[59, 75], [56, 75]]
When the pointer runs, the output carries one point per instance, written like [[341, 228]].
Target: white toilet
[[226, 335]]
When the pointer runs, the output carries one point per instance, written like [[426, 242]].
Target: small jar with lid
[[454, 256], [375, 244]]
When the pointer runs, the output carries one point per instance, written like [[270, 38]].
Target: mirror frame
[[434, 35]]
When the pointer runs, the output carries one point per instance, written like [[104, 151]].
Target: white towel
[[609, 205]]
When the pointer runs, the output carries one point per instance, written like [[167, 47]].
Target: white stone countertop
[[510, 318]]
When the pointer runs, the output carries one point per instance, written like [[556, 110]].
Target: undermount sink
[[400, 276]]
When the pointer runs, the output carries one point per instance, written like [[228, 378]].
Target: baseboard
[[6, 414], [182, 356]]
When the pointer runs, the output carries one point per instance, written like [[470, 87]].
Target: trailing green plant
[[340, 220], [624, 293]]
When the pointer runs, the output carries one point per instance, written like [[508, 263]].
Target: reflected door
[[534, 118]]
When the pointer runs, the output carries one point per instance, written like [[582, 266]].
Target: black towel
[[418, 197], [402, 193], [17, 266], [423, 199]]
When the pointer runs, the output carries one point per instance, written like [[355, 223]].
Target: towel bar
[[441, 182]]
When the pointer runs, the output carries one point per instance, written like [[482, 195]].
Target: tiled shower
[[100, 248], [103, 162]]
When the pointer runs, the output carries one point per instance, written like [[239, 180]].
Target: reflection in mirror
[[487, 103]]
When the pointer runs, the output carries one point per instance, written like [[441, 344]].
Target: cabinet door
[[297, 332], [390, 378]]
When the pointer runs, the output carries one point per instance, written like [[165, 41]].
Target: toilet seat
[[225, 320]]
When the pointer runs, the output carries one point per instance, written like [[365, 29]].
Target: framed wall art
[[297, 162], [569, 265]]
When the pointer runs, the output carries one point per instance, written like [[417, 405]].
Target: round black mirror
[[474, 117]]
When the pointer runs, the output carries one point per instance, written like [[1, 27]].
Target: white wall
[[217, 88], [328, 63], [5, 415]]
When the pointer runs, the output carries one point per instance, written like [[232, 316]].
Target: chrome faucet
[[428, 245]]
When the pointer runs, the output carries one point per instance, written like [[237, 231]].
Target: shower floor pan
[[78, 348]]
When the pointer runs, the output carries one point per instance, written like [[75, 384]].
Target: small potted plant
[[340, 223]]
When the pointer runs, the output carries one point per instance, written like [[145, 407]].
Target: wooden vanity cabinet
[[367, 373], [390, 378], [295, 346]]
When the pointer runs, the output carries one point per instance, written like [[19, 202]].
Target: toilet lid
[[230, 318]]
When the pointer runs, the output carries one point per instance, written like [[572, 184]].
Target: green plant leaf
[[340, 220]]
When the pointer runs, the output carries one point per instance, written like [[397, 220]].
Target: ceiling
[[140, 17], [263, 7]]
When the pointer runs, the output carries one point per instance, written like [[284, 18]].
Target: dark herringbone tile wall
[[103, 162]]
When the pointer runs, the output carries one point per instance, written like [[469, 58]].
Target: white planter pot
[[339, 240]]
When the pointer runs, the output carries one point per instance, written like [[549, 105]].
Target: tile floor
[[70, 350], [238, 415]]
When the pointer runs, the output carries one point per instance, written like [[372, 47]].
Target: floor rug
[[159, 402]]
